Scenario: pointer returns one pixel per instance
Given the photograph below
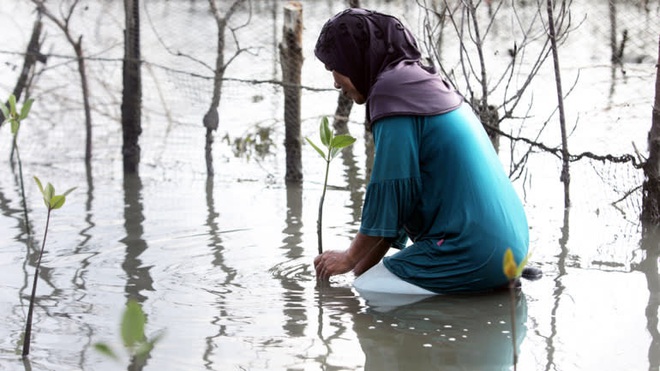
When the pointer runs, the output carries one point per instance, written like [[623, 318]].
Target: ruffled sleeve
[[395, 185]]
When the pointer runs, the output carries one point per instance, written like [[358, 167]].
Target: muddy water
[[223, 266]]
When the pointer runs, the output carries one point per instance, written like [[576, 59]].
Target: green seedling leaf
[[12, 105], [26, 109], [319, 150], [41, 188], [15, 124], [68, 191], [57, 201], [106, 350], [132, 325], [522, 265], [52, 200], [341, 141], [325, 132], [5, 111], [145, 347], [49, 192]]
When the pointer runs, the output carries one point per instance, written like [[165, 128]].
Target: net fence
[[607, 51]]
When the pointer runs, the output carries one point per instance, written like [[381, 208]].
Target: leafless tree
[[494, 78], [64, 24], [552, 35], [211, 118]]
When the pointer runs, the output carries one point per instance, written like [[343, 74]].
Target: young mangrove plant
[[132, 334], [52, 202], [513, 271], [333, 143], [14, 117]]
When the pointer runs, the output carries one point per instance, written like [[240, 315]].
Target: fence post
[[651, 188], [291, 60], [132, 95]]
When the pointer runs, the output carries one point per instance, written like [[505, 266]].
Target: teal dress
[[438, 181]]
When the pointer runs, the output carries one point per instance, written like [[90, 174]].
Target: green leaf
[[106, 350], [334, 151], [68, 191], [57, 201], [15, 124], [5, 111], [41, 188], [12, 105], [325, 132], [341, 141], [132, 324], [522, 265], [49, 192], [146, 346], [319, 150], [26, 109]]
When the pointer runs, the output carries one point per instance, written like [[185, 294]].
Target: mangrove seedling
[[513, 271], [333, 144], [14, 117], [132, 334], [52, 202]]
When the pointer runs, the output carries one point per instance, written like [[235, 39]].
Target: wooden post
[[651, 188], [291, 60], [131, 105]]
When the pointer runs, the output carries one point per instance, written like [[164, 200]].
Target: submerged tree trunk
[[651, 188], [131, 105], [291, 59]]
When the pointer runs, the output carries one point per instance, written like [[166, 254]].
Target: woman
[[436, 178]]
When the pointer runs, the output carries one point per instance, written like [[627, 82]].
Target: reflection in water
[[215, 243], [79, 275], [557, 292], [649, 266], [78, 281], [138, 277], [295, 312], [466, 332]]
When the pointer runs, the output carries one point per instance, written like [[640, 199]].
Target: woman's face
[[347, 88]]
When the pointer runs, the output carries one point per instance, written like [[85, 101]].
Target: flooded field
[[223, 265]]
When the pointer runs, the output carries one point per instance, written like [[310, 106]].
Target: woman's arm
[[364, 252]]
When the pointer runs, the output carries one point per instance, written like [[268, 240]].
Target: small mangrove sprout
[[52, 202], [132, 334], [333, 143], [14, 117]]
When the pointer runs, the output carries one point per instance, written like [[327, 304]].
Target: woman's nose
[[337, 86]]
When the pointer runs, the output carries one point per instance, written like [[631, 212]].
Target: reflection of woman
[[436, 178], [449, 332], [443, 333]]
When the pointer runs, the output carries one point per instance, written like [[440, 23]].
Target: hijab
[[382, 59]]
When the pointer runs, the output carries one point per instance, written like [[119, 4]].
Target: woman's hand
[[331, 263]]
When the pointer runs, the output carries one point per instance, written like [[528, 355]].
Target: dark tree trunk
[[651, 187], [291, 60], [85, 90], [565, 173], [132, 95]]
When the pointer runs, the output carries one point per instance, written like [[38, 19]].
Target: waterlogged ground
[[223, 266]]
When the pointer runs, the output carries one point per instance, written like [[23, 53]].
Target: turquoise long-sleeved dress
[[438, 181]]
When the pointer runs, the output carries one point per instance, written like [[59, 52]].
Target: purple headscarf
[[381, 58]]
